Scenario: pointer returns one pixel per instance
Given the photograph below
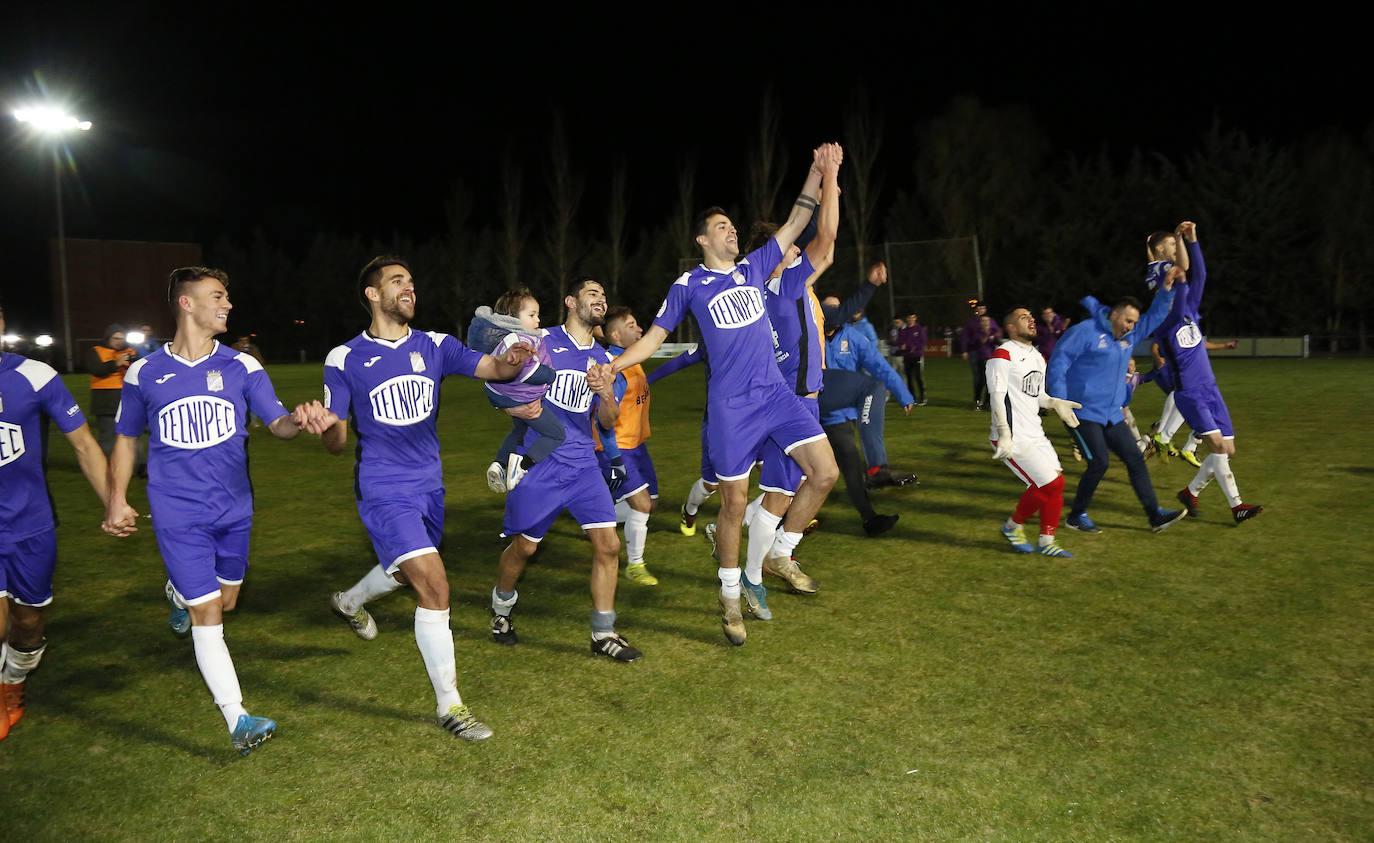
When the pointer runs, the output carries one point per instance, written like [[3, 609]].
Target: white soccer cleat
[[496, 478]]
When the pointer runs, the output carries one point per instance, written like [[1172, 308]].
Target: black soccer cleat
[[1244, 512], [502, 631], [879, 524], [615, 647]]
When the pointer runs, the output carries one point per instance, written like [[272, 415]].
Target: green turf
[[1212, 682]]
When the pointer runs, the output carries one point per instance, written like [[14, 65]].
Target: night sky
[[216, 123]]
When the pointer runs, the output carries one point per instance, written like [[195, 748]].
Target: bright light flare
[[43, 340], [134, 338], [10, 339], [51, 120]]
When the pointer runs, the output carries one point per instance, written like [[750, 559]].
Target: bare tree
[[681, 225], [767, 161], [862, 143], [565, 193], [617, 216], [514, 230]]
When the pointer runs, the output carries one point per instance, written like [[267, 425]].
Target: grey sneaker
[[732, 621], [711, 537], [460, 723], [787, 568], [361, 621]]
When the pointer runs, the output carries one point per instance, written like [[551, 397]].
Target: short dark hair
[[700, 228], [1128, 301], [1006, 317], [511, 300], [578, 283], [760, 233], [371, 275], [178, 279], [615, 314], [1155, 239]]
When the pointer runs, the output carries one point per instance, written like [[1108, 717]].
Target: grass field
[[1210, 682]]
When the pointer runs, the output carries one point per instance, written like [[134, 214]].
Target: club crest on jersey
[[739, 279], [844, 346], [197, 421], [214, 380], [1032, 382], [11, 442], [569, 391], [417, 362], [403, 400], [1187, 335], [1102, 341], [736, 307]]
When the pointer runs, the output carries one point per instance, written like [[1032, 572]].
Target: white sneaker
[[496, 478], [514, 472]]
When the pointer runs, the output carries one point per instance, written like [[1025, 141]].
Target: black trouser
[[916, 366], [980, 378], [1094, 440], [851, 465]]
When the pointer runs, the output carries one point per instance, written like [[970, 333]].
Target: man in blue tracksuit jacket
[[1088, 365]]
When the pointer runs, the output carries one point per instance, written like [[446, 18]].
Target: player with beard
[[581, 389], [384, 384], [1016, 394], [748, 401]]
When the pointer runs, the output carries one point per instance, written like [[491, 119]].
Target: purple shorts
[[26, 568], [202, 557], [403, 528], [639, 470], [551, 487], [1204, 410], [741, 424], [780, 473], [708, 471]]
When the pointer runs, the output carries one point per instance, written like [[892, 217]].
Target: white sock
[[784, 543], [1190, 447], [1204, 475], [1226, 479], [698, 496], [503, 606], [1046, 539], [636, 534], [622, 512], [1170, 420], [754, 506], [20, 663], [435, 641], [375, 583], [729, 582], [216, 666], [762, 532]]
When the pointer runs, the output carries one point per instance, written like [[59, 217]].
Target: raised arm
[[821, 250], [805, 204], [642, 350], [837, 316]]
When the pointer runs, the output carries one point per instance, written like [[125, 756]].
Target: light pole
[[54, 122]]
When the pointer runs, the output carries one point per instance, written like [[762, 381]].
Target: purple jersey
[[1180, 339], [389, 392], [195, 412], [796, 319], [729, 308], [570, 398], [517, 389], [29, 390]]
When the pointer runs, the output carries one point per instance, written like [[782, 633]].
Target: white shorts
[[1034, 461]]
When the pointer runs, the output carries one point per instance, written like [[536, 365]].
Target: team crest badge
[[844, 346], [739, 279], [417, 362], [214, 380], [2, 403]]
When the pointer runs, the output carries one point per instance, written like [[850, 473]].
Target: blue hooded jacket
[[1089, 364]]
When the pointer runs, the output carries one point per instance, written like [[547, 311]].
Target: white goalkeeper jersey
[[1016, 377]]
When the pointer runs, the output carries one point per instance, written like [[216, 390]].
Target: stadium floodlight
[[51, 120], [134, 337], [43, 340], [10, 339], [54, 122]]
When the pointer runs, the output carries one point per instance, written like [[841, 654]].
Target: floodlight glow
[[134, 338], [53, 120], [43, 340], [10, 339]]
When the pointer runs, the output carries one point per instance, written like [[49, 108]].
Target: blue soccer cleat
[[755, 598], [251, 731], [1053, 549], [1082, 523], [1017, 536]]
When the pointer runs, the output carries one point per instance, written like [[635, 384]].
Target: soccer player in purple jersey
[[29, 391], [748, 401], [1195, 387], [384, 384], [194, 395], [570, 477]]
